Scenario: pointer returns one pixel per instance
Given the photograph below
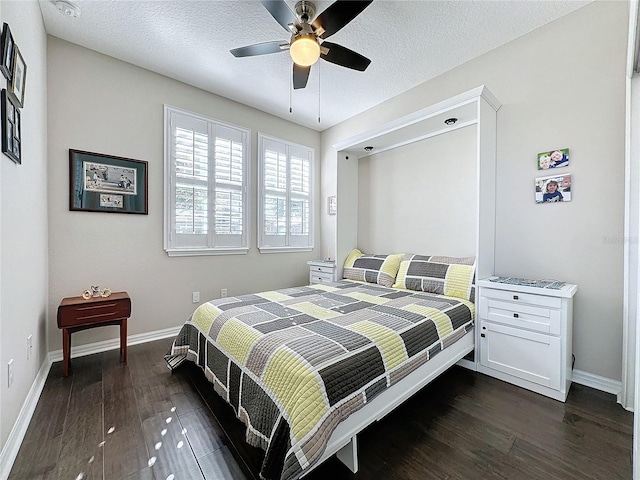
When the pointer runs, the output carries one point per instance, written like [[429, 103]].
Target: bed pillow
[[451, 276], [380, 269], [355, 253]]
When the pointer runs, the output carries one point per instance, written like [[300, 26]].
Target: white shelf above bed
[[420, 125]]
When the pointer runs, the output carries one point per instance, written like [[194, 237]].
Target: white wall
[[562, 85], [23, 223], [406, 197], [100, 104]]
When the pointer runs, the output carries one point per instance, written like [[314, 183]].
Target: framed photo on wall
[[332, 205], [19, 78], [552, 189], [553, 159], [11, 127], [106, 183], [7, 52]]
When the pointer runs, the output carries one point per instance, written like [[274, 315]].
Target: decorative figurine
[[95, 291]]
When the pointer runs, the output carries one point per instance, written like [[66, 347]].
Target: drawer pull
[[515, 315], [482, 335], [515, 297]]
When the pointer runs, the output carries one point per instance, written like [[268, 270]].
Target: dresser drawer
[[522, 298], [534, 318], [93, 312]]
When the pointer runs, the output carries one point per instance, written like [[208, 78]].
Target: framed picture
[[553, 159], [332, 205], [556, 188], [19, 79], [11, 127], [105, 183], [7, 52]]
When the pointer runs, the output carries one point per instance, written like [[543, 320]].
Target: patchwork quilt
[[293, 363]]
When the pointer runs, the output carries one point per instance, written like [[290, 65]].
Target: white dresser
[[321, 271], [525, 336]]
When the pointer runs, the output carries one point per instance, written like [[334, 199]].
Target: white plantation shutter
[[300, 185], [285, 202], [206, 185]]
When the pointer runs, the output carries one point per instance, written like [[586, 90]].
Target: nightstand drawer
[[537, 319], [93, 312], [527, 355], [517, 297], [320, 277], [321, 269]]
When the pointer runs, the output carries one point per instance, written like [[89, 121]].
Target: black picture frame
[[8, 44], [11, 127], [106, 183], [18, 81]]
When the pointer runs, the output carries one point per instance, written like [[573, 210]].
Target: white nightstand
[[526, 336], [321, 271]]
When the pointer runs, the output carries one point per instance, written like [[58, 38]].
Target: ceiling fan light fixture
[[305, 50]]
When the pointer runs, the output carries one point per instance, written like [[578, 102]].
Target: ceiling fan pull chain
[[318, 93], [290, 92]]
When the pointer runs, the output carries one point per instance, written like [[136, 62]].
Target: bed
[[307, 368]]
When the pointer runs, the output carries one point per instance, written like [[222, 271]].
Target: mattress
[[294, 363]]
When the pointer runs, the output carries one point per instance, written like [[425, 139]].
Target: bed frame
[[476, 107], [344, 442]]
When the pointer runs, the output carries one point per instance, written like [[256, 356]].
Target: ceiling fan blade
[[344, 57], [300, 76], [337, 15], [260, 49], [281, 12]]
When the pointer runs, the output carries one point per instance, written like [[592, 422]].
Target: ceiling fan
[[308, 37]]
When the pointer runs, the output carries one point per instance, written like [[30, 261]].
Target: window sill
[[284, 249], [193, 252]]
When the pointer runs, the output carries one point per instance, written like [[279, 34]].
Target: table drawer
[[520, 298], [537, 319], [93, 312]]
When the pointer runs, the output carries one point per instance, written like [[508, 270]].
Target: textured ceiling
[[409, 42]]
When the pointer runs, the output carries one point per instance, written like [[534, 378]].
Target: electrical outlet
[[10, 373], [195, 297], [223, 292], [29, 346]]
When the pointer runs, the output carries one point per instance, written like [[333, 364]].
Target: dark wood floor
[[139, 421]]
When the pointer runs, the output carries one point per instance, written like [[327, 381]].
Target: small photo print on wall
[[553, 159], [556, 188], [111, 200]]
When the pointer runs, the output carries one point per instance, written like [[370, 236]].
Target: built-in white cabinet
[[525, 336], [321, 271]]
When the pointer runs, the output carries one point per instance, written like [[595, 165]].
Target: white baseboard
[[114, 343], [12, 446], [596, 381]]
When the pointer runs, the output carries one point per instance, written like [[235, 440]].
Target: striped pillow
[[449, 276], [380, 269]]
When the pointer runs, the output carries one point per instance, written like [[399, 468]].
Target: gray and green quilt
[[293, 363]]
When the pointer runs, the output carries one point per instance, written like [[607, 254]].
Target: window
[[206, 172], [285, 203]]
